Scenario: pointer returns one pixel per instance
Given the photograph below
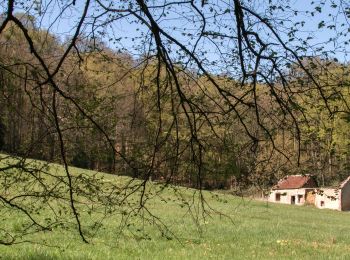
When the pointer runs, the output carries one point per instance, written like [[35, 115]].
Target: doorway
[[292, 200]]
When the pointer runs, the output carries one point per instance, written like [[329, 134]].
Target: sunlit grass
[[254, 230]]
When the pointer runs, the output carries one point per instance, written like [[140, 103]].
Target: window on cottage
[[322, 203], [300, 198], [278, 197]]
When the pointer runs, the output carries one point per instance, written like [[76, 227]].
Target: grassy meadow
[[252, 230]]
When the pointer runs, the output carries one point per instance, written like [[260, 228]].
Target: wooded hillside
[[128, 116]]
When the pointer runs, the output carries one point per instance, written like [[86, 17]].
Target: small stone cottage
[[303, 189], [294, 189], [334, 198]]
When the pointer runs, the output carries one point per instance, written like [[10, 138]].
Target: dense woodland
[[135, 104]]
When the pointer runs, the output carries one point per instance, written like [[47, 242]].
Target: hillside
[[250, 229]]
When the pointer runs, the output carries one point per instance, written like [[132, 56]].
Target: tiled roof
[[295, 182]]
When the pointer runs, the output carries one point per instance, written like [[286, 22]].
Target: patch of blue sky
[[318, 31]]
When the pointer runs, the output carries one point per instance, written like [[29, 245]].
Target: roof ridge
[[342, 184], [295, 181]]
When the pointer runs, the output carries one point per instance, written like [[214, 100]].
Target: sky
[[125, 35]]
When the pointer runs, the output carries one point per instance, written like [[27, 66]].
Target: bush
[[2, 135], [81, 160]]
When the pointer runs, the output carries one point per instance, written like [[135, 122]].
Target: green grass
[[256, 230]]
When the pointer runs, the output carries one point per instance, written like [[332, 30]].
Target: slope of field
[[253, 230]]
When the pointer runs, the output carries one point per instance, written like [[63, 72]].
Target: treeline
[[125, 116]]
